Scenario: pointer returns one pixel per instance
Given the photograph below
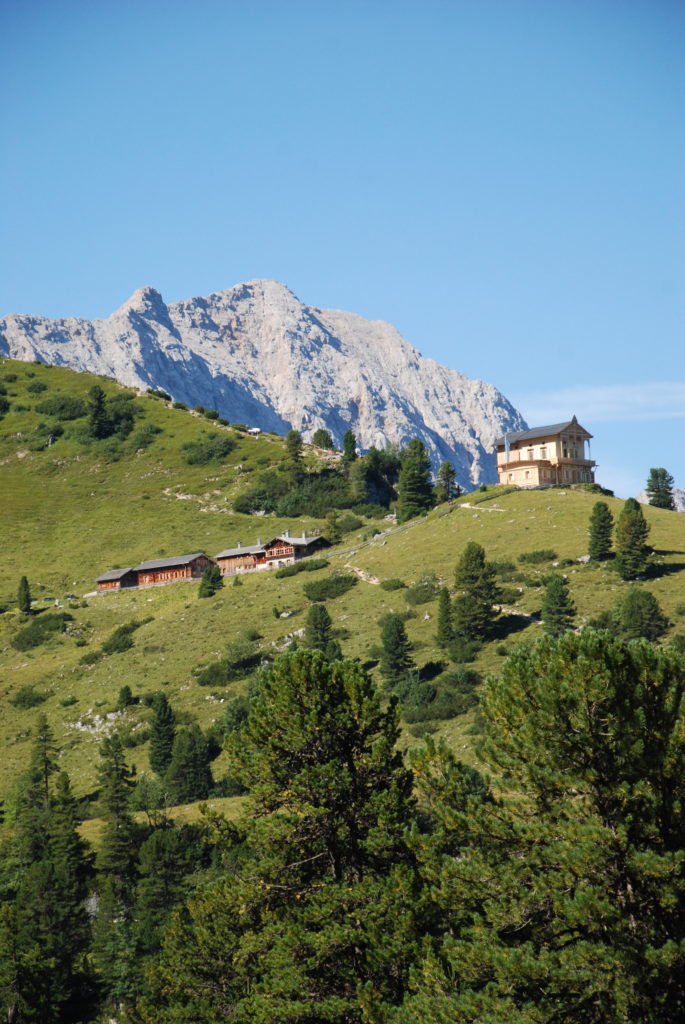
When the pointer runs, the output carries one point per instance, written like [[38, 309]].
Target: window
[[543, 453], [531, 453]]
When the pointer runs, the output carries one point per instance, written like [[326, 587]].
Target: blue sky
[[502, 180]]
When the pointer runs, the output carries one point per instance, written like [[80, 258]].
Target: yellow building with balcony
[[553, 456]]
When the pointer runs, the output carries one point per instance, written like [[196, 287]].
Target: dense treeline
[[359, 884]]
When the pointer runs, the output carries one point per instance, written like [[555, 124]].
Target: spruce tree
[[293, 446], [162, 733], [415, 492], [445, 628], [99, 425], [24, 596], [473, 608], [118, 845], [638, 615], [322, 439], [446, 488], [318, 633], [349, 447], [558, 609], [318, 923], [211, 581], [188, 776], [601, 526], [630, 540], [396, 660], [660, 489]]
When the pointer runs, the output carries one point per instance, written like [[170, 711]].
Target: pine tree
[[162, 733], [445, 628], [349, 447], [558, 609], [322, 439], [211, 581], [446, 488], [188, 776], [601, 525], [318, 633], [639, 615], [99, 425], [660, 489], [118, 844], [293, 447], [473, 608], [630, 541], [24, 596], [396, 660], [563, 901], [319, 919], [415, 492]]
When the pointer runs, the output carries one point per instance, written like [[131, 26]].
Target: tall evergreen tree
[[293, 446], [415, 491], [162, 733], [318, 633], [660, 489], [638, 615], [446, 488], [473, 608], [211, 581], [24, 596], [558, 609], [317, 925], [445, 628], [630, 540], [396, 660], [322, 439], [118, 846], [189, 776], [563, 903], [349, 447], [601, 526], [99, 425]]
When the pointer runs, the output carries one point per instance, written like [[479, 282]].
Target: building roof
[[250, 549], [255, 549], [166, 563], [550, 431], [112, 574]]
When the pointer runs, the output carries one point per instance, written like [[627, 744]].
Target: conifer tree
[[318, 920], [188, 776], [322, 439], [660, 489], [211, 581], [396, 660], [118, 845], [162, 733], [349, 447], [318, 633], [24, 596], [99, 425], [601, 526], [415, 492], [445, 628], [630, 540], [562, 902], [293, 446], [446, 488], [638, 615], [473, 608], [558, 609]]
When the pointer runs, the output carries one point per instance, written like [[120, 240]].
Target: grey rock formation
[[259, 356]]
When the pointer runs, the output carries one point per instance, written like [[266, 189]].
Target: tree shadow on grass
[[508, 625]]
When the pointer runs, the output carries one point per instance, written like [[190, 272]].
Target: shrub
[[536, 557], [504, 570], [120, 640], [158, 393], [425, 590], [415, 693], [211, 414], [308, 565], [67, 702], [333, 586], [347, 523], [4, 406], [179, 405], [446, 705], [145, 435], [209, 449], [461, 649], [90, 657], [393, 584], [41, 629], [27, 697], [62, 407], [36, 387]]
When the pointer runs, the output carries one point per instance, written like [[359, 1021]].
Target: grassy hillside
[[73, 509]]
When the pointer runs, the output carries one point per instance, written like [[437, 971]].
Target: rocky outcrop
[[259, 356]]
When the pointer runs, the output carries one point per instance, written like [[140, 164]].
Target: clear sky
[[502, 180]]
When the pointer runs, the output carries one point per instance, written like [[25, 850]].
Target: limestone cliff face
[[259, 356]]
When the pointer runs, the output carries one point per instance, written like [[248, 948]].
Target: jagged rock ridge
[[259, 356]]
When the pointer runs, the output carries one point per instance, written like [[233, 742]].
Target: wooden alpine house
[[274, 554], [168, 570], [117, 579]]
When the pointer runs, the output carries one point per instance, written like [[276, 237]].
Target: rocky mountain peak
[[260, 356]]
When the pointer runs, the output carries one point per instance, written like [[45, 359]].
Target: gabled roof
[[303, 541], [550, 431], [166, 563], [112, 574], [250, 549]]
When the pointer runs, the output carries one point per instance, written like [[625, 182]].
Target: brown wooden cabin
[[167, 570], [274, 554], [117, 579]]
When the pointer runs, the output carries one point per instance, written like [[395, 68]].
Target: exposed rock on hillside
[[259, 356]]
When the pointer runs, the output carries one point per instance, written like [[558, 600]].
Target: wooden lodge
[[167, 570], [274, 554], [117, 579], [553, 456]]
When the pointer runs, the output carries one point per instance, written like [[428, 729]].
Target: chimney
[[238, 543], [304, 535], [286, 533], [259, 542]]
